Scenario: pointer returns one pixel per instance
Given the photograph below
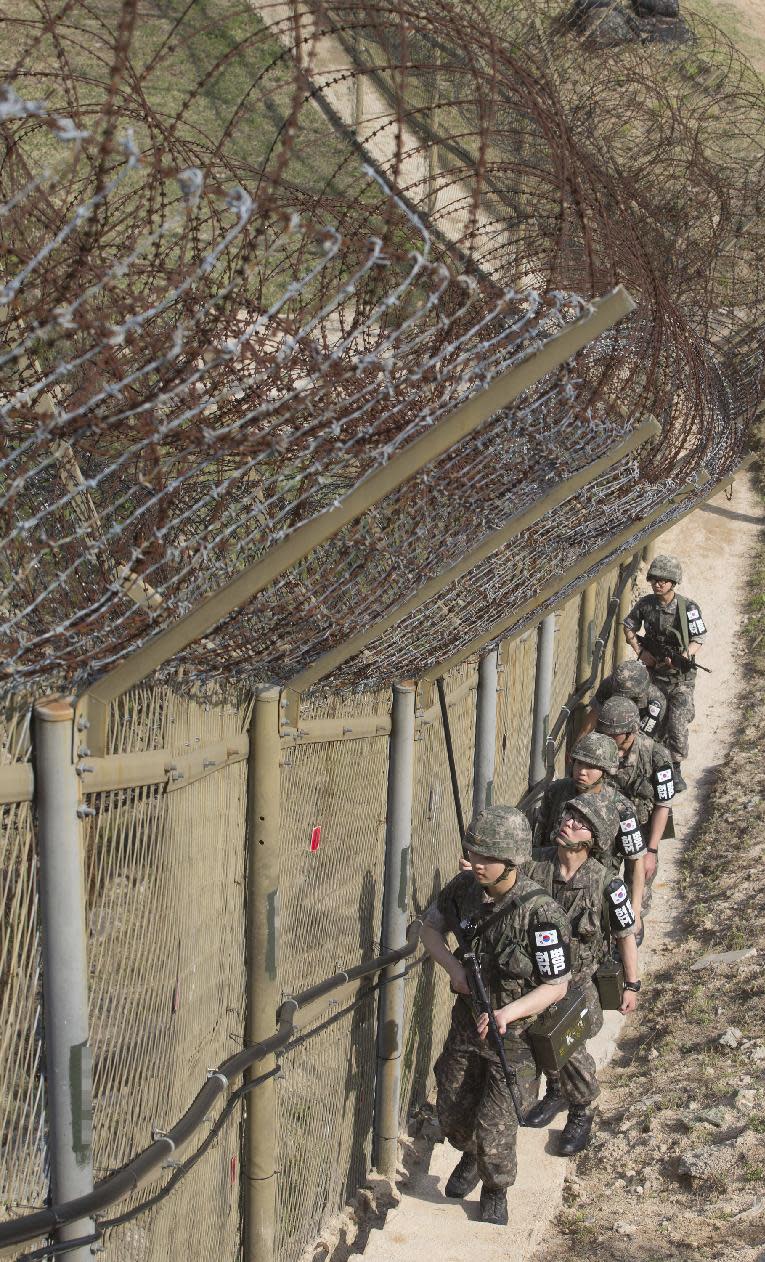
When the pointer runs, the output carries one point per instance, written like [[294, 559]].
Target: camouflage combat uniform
[[652, 707], [658, 619], [645, 777], [628, 842], [474, 1105], [599, 910]]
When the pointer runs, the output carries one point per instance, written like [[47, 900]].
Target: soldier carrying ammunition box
[[598, 907], [521, 939]]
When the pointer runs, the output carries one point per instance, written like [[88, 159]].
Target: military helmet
[[500, 832], [602, 817], [597, 750], [618, 714], [665, 566], [631, 679]]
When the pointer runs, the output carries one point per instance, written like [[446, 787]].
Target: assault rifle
[[662, 648], [482, 1003]]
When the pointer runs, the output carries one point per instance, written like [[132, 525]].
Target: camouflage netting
[[251, 255]]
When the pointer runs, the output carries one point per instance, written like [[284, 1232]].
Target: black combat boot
[[551, 1104], [463, 1178], [494, 1206], [677, 777], [576, 1132]]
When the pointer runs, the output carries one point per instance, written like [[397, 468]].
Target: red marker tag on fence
[[315, 838]]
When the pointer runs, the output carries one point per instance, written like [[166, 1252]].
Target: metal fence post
[[64, 962], [398, 839], [622, 651], [586, 633], [542, 697], [485, 732], [262, 916]]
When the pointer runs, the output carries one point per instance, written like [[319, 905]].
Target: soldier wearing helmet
[[668, 618], [631, 680], [595, 758], [644, 775], [522, 939], [598, 907]]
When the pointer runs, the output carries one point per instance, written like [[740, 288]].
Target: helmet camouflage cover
[[597, 750], [618, 714], [631, 679], [500, 832], [665, 566], [602, 817]]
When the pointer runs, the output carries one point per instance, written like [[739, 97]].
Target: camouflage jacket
[[545, 817], [651, 714], [596, 903], [527, 946], [645, 776], [657, 619]]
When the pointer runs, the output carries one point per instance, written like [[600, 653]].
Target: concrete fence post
[[542, 697], [485, 732], [398, 840], [64, 962], [586, 633], [262, 933]]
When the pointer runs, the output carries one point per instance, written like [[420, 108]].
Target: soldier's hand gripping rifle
[[482, 1003], [661, 649]]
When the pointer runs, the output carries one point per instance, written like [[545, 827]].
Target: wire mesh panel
[[515, 715], [165, 899], [325, 1112], [23, 1134]]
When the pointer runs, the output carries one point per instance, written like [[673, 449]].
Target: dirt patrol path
[[715, 545]]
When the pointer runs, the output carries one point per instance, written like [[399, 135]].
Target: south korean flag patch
[[631, 840], [651, 717], [695, 621], [552, 956], [620, 911], [664, 784]]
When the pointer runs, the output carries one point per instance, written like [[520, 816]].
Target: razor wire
[[204, 351]]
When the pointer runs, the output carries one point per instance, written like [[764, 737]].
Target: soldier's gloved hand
[[629, 1002], [646, 658], [458, 978]]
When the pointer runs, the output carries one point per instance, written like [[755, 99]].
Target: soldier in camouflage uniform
[[630, 679], [598, 907], [669, 617], [596, 757], [521, 938], [644, 775]]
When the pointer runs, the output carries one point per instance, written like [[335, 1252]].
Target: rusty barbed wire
[[240, 273]]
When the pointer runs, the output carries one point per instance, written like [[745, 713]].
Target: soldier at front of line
[[669, 618], [521, 938], [644, 775], [631, 680], [598, 907], [595, 757]]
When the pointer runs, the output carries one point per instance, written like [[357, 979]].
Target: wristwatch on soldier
[[632, 986]]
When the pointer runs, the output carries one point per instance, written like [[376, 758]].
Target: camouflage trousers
[[681, 712], [577, 1081], [473, 1102]]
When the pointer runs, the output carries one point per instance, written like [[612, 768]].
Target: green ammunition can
[[609, 980], [559, 1031]]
